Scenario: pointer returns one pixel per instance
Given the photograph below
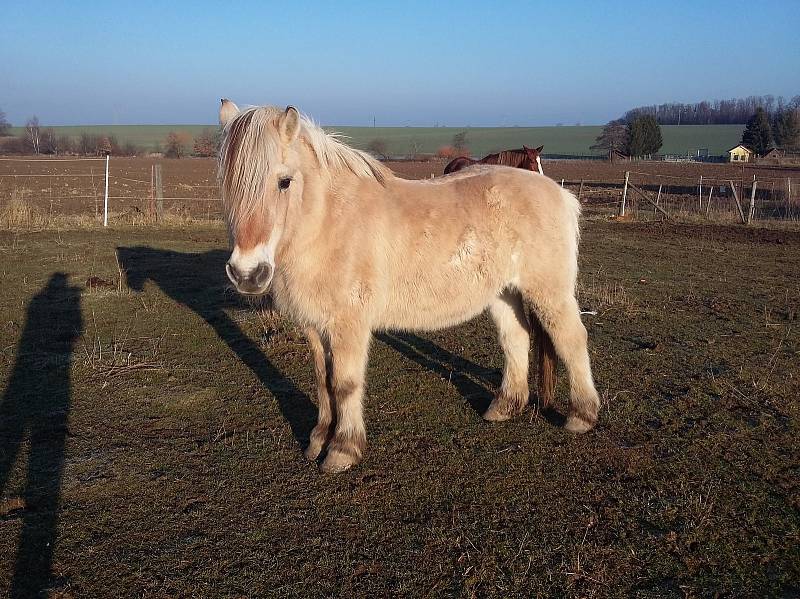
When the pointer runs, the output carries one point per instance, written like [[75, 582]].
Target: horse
[[523, 157], [345, 248]]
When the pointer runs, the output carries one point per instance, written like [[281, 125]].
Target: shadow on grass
[[459, 371], [34, 407], [197, 282]]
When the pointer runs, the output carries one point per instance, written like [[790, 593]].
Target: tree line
[[736, 111], [36, 139], [638, 133]]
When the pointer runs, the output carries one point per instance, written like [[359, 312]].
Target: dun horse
[[346, 248], [524, 158]]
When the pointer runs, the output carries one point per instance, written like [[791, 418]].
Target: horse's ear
[[539, 149], [227, 111], [289, 125]]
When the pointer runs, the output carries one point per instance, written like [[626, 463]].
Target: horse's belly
[[435, 304]]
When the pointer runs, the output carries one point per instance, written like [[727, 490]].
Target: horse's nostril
[[232, 273], [262, 274]]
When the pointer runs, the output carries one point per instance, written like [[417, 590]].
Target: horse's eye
[[283, 184]]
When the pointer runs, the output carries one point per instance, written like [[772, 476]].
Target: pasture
[[152, 426], [406, 141]]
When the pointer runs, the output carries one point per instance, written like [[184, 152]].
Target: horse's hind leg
[[321, 357], [349, 346], [560, 317], [514, 334]]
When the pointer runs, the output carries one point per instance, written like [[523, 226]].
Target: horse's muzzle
[[255, 282]]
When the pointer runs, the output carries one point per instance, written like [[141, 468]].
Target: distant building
[[616, 156], [774, 153], [740, 154]]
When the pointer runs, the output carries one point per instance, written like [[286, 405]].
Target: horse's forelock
[[248, 148], [251, 143]]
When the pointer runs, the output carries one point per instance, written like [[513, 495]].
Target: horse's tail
[[547, 361]]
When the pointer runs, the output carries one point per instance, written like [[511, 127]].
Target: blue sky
[[405, 63]]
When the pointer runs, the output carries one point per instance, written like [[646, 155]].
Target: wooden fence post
[[658, 199], [708, 201], [624, 194], [159, 193], [752, 203], [642, 193], [151, 202], [738, 203], [580, 191]]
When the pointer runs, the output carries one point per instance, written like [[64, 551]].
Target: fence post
[[788, 198], [738, 203], [159, 193], [580, 191], [151, 202], [658, 198], [700, 194], [624, 194], [708, 201], [752, 203], [105, 199]]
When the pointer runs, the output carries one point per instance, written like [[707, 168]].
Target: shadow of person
[[198, 282], [34, 408]]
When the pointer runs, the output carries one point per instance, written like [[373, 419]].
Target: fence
[[110, 187], [155, 188], [644, 196]]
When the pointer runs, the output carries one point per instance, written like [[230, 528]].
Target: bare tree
[[177, 144], [614, 137], [5, 126], [379, 147], [33, 133], [460, 142], [207, 143]]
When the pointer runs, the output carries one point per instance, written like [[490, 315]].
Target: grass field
[[403, 141], [151, 430]]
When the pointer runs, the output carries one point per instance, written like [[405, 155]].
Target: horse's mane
[[250, 144]]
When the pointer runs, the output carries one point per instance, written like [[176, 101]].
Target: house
[[774, 153], [740, 154]]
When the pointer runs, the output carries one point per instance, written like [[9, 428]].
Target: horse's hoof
[[576, 424], [336, 462], [312, 451], [495, 415]]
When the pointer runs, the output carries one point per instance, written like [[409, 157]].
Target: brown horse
[[524, 157]]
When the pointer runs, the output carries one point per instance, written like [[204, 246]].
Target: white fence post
[[700, 194], [105, 200]]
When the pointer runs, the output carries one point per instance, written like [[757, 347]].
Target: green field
[[402, 141]]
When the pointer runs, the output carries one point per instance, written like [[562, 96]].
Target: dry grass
[[21, 215]]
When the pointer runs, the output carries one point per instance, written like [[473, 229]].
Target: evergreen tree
[[758, 134], [644, 136], [786, 130]]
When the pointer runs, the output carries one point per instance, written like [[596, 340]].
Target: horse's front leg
[[321, 357], [349, 348]]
